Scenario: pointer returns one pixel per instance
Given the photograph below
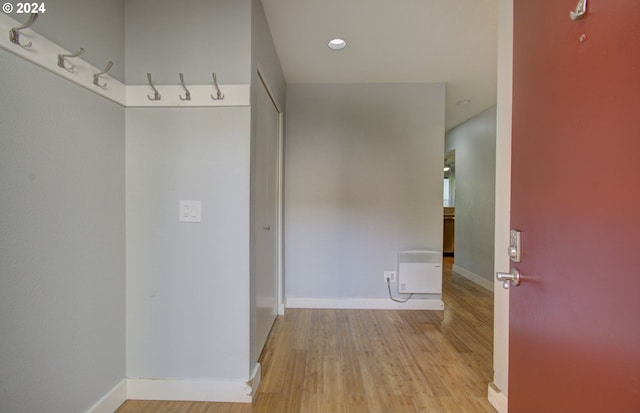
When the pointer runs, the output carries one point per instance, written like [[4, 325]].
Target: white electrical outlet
[[390, 276]]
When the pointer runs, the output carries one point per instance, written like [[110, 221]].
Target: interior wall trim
[[175, 389], [110, 402], [227, 391], [471, 276], [256, 379], [497, 398], [44, 53], [365, 303]]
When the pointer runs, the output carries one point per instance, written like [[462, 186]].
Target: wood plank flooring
[[364, 361]]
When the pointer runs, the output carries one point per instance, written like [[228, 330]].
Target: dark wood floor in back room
[[365, 361]]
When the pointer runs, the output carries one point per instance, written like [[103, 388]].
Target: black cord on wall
[[395, 299]]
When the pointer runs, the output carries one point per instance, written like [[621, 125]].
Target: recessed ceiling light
[[463, 102], [337, 44], [446, 169]]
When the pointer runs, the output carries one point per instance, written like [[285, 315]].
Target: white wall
[[363, 180], [188, 284], [475, 144], [62, 223]]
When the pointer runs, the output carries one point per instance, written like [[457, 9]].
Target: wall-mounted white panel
[[420, 272]]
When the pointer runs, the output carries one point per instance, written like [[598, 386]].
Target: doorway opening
[[448, 201]]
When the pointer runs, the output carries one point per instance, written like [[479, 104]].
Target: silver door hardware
[[581, 9], [507, 278], [515, 246]]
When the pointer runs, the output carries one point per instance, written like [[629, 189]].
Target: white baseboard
[[256, 378], [190, 390], [365, 303], [110, 402], [497, 399], [481, 281]]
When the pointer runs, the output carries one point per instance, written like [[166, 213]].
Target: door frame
[[279, 191], [498, 389]]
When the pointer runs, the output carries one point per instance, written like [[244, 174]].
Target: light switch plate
[[190, 211]]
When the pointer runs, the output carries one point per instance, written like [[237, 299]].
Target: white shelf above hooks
[[44, 53]]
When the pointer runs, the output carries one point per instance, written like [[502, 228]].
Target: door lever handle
[[512, 277]]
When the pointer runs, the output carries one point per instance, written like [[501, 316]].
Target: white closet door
[[266, 204]]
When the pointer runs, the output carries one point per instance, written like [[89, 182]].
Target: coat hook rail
[[96, 76], [219, 95], [63, 63], [14, 34], [186, 91], [580, 11], [156, 94]]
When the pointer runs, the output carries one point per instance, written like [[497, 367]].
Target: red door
[[574, 341]]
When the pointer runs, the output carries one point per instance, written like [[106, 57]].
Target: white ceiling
[[389, 41]]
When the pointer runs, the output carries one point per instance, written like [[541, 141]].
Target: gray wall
[[264, 55], [188, 304], [63, 299], [187, 284], [95, 25], [195, 37], [62, 226], [363, 180], [265, 58], [475, 144]]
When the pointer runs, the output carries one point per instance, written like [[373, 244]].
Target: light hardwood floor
[[364, 361]]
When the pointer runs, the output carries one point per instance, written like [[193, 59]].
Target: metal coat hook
[[156, 94], [187, 94], [96, 76], [581, 10], [62, 60], [14, 33], [219, 95]]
